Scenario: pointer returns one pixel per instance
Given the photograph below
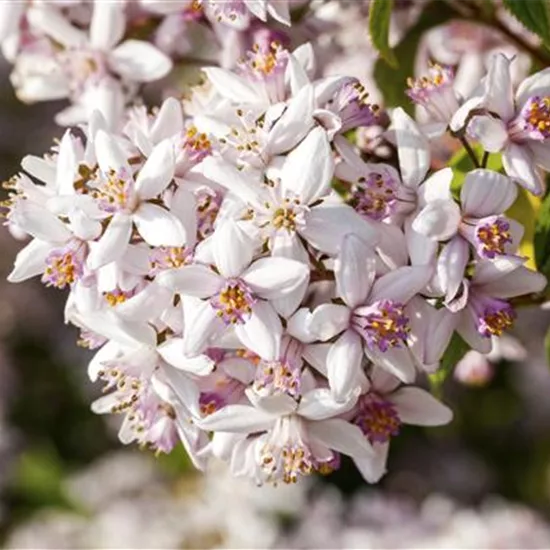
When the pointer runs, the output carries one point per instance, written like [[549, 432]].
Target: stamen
[[492, 236], [377, 418], [234, 302]]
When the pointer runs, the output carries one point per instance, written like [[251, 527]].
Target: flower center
[[117, 296], [434, 92], [375, 196], [168, 257], [284, 218], [350, 103], [377, 419], [115, 192], [276, 377], [64, 266], [383, 324], [263, 62], [234, 302], [210, 402], [492, 237], [536, 117], [196, 144], [496, 317]]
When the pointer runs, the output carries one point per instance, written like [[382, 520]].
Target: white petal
[[439, 331], [233, 250], [157, 226], [138, 61], [519, 163], [373, 468], [467, 328], [192, 280], [341, 436], [276, 405], [517, 283], [537, 84], [489, 131], [237, 419], [113, 243], [451, 265], [30, 261], [344, 364], [328, 223], [412, 147], [418, 407], [308, 169], [499, 96], [272, 278], [172, 352], [203, 326], [262, 332], [354, 269], [53, 23], [157, 172], [485, 193], [319, 404], [39, 222], [67, 165], [107, 25], [294, 123], [232, 86], [168, 122], [438, 220], [328, 320], [401, 284], [437, 186], [109, 154], [397, 361]]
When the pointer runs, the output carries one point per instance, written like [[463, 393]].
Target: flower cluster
[[255, 287]]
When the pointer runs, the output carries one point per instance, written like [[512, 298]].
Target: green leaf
[[379, 29], [542, 237], [533, 15], [393, 82], [455, 351]]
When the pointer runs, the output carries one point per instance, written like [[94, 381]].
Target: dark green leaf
[[379, 29], [455, 351], [393, 82], [533, 15]]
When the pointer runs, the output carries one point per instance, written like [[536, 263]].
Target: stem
[[484, 159], [470, 151]]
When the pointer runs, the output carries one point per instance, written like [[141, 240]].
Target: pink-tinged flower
[[127, 200], [373, 321], [287, 438], [88, 68], [381, 410], [518, 126], [239, 293], [289, 211], [236, 13], [481, 310], [435, 93], [479, 222], [376, 191]]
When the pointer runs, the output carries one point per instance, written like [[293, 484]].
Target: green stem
[[470, 151]]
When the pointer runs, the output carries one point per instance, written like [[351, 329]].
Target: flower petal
[[401, 284], [354, 269], [157, 226], [327, 320], [519, 163], [499, 97], [157, 172], [30, 261], [485, 193], [341, 436], [272, 278], [107, 25], [308, 169], [237, 419], [451, 265], [344, 364], [192, 280], [373, 468], [319, 404], [438, 220], [418, 407], [172, 352], [262, 332], [138, 61], [113, 243], [412, 148], [232, 249]]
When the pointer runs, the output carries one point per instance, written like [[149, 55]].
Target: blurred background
[[66, 481]]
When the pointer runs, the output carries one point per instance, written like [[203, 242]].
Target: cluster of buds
[[253, 287]]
